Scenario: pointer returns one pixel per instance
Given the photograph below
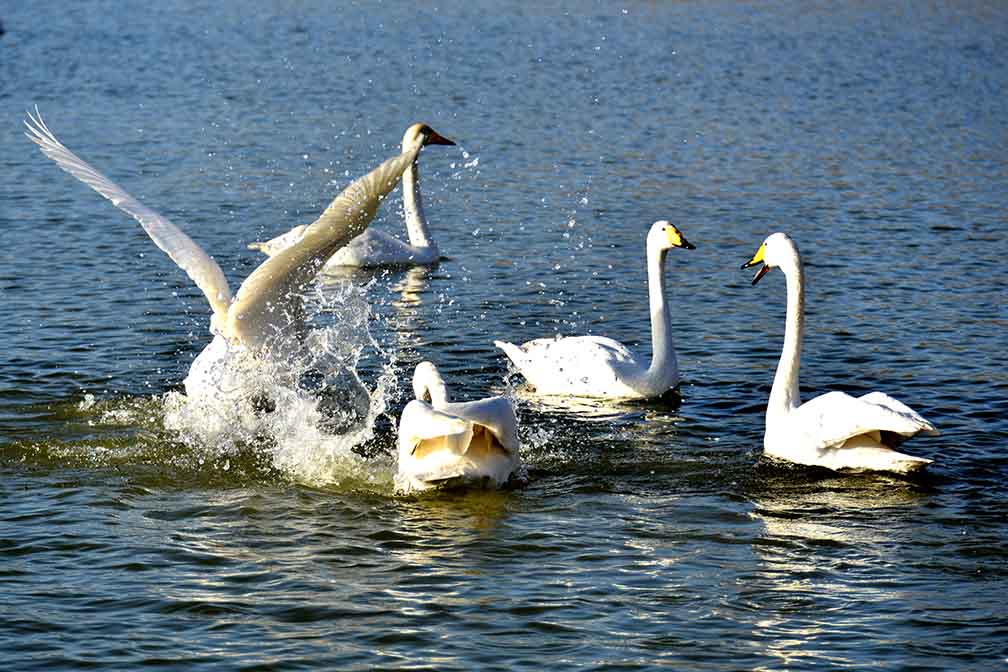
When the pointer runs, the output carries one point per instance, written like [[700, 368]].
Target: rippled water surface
[[649, 535]]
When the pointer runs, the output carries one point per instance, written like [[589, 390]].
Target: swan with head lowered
[[265, 319], [834, 430], [596, 366], [454, 443], [376, 248]]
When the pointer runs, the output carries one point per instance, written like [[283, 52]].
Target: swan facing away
[[264, 320], [375, 248], [834, 430], [596, 366], [448, 443]]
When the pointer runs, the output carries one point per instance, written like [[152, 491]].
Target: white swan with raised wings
[[596, 366], [834, 430], [470, 442], [266, 316], [376, 248]]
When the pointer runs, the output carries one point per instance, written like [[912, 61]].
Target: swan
[[265, 317], [472, 442], [596, 366], [834, 430], [376, 248]]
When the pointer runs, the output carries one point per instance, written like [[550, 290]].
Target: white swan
[[473, 442], [373, 247], [834, 430], [596, 366], [265, 317]]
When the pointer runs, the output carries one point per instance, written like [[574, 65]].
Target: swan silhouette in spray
[[264, 320], [833, 430], [376, 248]]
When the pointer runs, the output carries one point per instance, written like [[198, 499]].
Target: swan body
[[376, 248], [474, 442], [834, 430], [596, 366], [265, 317]]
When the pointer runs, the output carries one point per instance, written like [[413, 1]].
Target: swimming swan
[[834, 430], [376, 248], [266, 313], [473, 442], [596, 366]]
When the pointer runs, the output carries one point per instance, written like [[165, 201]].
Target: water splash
[[309, 408]]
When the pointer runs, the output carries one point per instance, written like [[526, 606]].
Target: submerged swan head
[[664, 236], [778, 249], [428, 384], [423, 134]]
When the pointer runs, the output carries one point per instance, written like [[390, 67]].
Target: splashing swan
[[441, 441], [376, 248], [596, 366], [833, 430], [265, 318]]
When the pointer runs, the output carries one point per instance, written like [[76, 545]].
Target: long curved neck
[[416, 221], [663, 358], [432, 385], [785, 394]]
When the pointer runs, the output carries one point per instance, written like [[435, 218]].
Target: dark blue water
[[650, 535]]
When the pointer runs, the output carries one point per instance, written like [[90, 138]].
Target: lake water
[[649, 535]]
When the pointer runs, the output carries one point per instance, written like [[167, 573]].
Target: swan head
[[778, 249], [428, 384], [424, 135], [664, 236]]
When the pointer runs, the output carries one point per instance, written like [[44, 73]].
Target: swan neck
[[416, 220], [663, 358], [429, 383], [785, 394]]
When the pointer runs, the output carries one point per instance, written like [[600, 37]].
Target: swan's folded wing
[[832, 418], [495, 413], [197, 264], [419, 422], [270, 298], [883, 399]]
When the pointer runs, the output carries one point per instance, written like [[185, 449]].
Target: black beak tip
[[688, 246]]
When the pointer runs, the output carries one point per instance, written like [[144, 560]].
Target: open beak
[[758, 259]]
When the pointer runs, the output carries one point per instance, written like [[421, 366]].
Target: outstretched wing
[[836, 417], [269, 301], [197, 264]]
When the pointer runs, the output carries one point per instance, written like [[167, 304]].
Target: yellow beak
[[758, 259]]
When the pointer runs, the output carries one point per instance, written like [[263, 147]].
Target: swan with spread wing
[[441, 442], [376, 248], [265, 317], [833, 430]]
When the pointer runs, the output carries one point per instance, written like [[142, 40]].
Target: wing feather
[[269, 300], [189, 256], [835, 417]]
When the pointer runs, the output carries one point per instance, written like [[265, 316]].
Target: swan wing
[[831, 419], [494, 413], [582, 364], [281, 242], [197, 264], [269, 301], [420, 421]]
